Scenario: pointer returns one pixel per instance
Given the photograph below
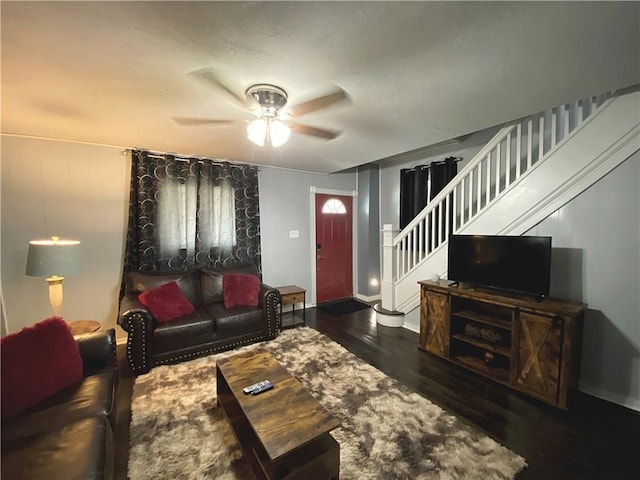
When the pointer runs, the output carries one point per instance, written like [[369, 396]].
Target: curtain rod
[[186, 158], [455, 159]]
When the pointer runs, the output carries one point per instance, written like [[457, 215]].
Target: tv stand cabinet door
[[434, 323], [539, 352]]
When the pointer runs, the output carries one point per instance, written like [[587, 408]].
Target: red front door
[[334, 277]]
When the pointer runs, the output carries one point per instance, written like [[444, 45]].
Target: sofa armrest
[[98, 352], [138, 322], [128, 306], [269, 300]]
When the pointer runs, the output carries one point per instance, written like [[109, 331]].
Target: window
[[188, 215], [333, 206], [217, 216]]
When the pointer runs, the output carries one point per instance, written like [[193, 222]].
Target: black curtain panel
[[414, 192], [186, 213], [421, 184], [441, 174], [407, 176]]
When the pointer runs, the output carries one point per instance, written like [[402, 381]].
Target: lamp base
[[55, 294]]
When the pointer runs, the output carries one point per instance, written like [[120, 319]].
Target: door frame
[[312, 236]]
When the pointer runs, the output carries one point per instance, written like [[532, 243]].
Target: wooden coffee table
[[283, 432]]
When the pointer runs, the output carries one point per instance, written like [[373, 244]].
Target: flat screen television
[[518, 264]]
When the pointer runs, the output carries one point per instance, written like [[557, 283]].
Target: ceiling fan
[[273, 122]]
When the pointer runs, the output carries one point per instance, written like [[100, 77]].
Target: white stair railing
[[508, 157]]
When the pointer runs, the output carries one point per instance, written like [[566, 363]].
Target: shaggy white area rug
[[387, 432]]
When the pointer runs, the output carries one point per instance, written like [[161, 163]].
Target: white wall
[[73, 191], [82, 191], [596, 260], [285, 206]]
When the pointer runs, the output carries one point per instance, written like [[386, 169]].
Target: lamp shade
[[268, 130], [57, 257], [257, 131], [278, 133]]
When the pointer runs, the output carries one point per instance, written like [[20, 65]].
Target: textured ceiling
[[417, 73]]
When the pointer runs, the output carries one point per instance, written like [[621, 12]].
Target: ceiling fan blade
[[201, 121], [314, 132], [320, 102], [207, 75]]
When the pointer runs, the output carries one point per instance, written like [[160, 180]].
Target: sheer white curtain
[[177, 216], [217, 217], [194, 218]]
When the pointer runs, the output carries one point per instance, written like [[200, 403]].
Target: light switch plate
[[294, 234]]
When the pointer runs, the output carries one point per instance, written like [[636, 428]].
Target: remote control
[[251, 388], [262, 388]]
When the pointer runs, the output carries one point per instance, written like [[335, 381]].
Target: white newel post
[[385, 312], [388, 270]]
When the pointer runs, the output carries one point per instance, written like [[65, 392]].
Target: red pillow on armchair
[[166, 302], [240, 290], [37, 362]]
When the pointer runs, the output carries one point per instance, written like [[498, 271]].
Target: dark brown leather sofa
[[211, 328], [70, 434]]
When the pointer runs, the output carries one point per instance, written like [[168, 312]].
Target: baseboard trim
[[412, 328], [623, 400], [366, 298]]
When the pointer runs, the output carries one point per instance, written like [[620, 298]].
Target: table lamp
[[52, 259]]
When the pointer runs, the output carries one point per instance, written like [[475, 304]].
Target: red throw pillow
[[37, 362], [240, 290], [166, 302]]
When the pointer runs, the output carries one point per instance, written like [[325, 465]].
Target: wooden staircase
[[530, 169]]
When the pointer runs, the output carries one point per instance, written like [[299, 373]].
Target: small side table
[[290, 295], [82, 327]]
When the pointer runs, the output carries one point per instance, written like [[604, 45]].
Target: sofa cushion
[[166, 302], [189, 283], [37, 362], [240, 290], [79, 450], [194, 329], [236, 321], [211, 280], [92, 397]]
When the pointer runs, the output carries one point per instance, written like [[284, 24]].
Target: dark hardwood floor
[[594, 439]]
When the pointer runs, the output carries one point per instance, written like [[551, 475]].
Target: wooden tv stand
[[528, 344]]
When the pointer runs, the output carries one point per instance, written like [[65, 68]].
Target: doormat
[[344, 306]]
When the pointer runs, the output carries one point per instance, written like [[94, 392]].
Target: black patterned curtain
[[186, 213]]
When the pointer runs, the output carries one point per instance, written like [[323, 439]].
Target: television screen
[[519, 264]]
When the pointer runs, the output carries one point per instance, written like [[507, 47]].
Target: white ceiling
[[417, 73]]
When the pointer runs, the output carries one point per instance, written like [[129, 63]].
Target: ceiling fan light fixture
[[266, 102], [268, 130], [267, 96], [257, 131], [278, 133]]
